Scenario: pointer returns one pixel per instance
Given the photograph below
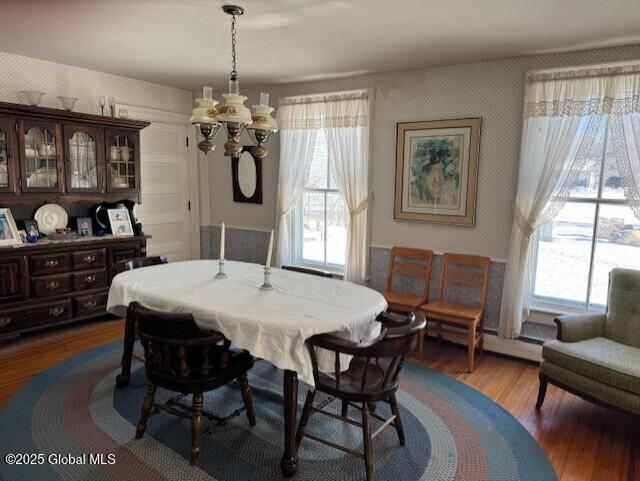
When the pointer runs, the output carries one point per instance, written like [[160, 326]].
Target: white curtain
[[349, 158], [625, 133], [562, 113], [345, 118], [295, 154]]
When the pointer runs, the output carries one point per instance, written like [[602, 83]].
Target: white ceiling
[[186, 43]]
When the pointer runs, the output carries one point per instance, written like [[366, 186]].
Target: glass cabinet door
[[83, 159], [123, 152], [40, 156], [7, 152]]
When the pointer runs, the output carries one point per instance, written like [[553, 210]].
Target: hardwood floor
[[584, 442]]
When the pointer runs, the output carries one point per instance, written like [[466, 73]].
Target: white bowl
[[33, 96], [68, 102]]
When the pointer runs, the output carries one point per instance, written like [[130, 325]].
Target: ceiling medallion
[[233, 116]]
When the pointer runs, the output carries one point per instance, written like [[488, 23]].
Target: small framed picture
[[120, 222], [9, 234], [31, 227], [84, 227]]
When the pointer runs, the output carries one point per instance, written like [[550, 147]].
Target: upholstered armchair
[[597, 356]]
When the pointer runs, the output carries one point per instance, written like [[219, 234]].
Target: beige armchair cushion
[[602, 359], [623, 316]]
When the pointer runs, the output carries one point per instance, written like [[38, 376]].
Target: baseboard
[[508, 347], [513, 347]]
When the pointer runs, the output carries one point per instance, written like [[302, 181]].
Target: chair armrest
[[388, 319], [578, 327], [341, 345]]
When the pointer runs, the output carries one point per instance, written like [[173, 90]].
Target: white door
[[165, 209]]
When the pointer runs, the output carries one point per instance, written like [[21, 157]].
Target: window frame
[[298, 228], [547, 304]]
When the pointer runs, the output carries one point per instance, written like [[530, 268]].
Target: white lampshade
[[234, 110], [205, 112], [262, 118]]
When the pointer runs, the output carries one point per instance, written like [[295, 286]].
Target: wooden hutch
[[77, 161]]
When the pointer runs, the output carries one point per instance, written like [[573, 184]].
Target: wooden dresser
[[52, 283], [56, 283]]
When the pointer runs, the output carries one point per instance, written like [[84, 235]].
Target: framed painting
[[437, 171]]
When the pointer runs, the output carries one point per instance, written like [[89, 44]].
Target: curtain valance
[[584, 91], [341, 109]]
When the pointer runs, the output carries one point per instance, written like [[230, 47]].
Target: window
[[321, 224], [595, 231]]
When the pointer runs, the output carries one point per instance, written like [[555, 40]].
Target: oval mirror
[[247, 175]]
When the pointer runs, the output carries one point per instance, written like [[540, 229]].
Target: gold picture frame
[[437, 171]]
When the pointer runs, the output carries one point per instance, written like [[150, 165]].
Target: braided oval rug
[[453, 432]]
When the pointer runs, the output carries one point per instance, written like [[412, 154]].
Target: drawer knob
[[89, 259], [51, 263], [5, 321], [89, 279], [89, 305], [56, 311], [53, 285]]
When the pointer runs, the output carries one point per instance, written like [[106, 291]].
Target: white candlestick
[[222, 237], [270, 251]]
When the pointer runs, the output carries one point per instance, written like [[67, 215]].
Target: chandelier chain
[[234, 73]]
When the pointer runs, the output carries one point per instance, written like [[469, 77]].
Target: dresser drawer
[[89, 280], [51, 285], [90, 304], [50, 264], [92, 259], [36, 315]]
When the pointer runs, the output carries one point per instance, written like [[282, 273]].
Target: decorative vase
[[33, 96], [68, 102]]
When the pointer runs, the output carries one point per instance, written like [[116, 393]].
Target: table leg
[[289, 462], [122, 379]]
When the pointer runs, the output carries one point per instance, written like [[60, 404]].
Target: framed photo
[[120, 222], [84, 227], [437, 171], [31, 227], [9, 234]]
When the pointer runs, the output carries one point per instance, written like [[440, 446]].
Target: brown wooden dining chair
[[181, 358], [468, 277], [412, 263], [129, 340], [413, 266], [138, 262], [373, 375]]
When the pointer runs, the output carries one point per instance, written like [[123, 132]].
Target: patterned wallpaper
[[24, 73], [492, 90]]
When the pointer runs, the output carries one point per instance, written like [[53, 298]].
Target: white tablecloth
[[272, 325]]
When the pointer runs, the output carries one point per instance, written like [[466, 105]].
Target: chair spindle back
[[393, 345], [175, 347]]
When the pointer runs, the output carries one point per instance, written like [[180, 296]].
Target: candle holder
[[266, 286], [221, 274]]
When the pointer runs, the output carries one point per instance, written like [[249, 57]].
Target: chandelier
[[233, 116]]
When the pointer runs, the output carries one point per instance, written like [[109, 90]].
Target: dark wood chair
[[179, 357], [122, 379], [373, 376], [138, 262], [469, 273], [308, 270]]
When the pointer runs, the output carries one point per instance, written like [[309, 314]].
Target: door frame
[[174, 118]]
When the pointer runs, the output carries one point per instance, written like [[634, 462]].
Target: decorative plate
[[51, 217]]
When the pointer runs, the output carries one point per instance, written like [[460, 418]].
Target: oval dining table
[[271, 324]]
